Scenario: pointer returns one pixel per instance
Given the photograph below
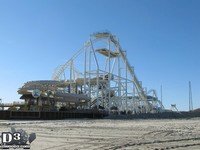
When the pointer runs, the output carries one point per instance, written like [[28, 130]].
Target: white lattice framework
[[101, 70]]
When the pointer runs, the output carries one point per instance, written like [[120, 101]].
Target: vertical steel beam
[[85, 70], [109, 74], [97, 76], [126, 82], [89, 73]]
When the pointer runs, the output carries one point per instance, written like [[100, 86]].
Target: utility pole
[[190, 97], [161, 96]]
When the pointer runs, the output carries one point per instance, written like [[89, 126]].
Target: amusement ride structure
[[97, 81], [101, 71], [98, 76]]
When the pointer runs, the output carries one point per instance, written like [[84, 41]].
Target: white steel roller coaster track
[[96, 37]]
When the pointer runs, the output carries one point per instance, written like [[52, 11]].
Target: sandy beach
[[88, 134]]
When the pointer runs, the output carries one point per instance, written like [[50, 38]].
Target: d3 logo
[[8, 137]]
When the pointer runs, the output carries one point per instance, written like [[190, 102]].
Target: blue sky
[[161, 37]]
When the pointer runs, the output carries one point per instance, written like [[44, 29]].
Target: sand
[[88, 134]]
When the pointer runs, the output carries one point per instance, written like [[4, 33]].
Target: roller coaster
[[101, 71], [97, 81]]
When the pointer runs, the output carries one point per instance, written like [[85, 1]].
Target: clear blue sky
[[162, 38]]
